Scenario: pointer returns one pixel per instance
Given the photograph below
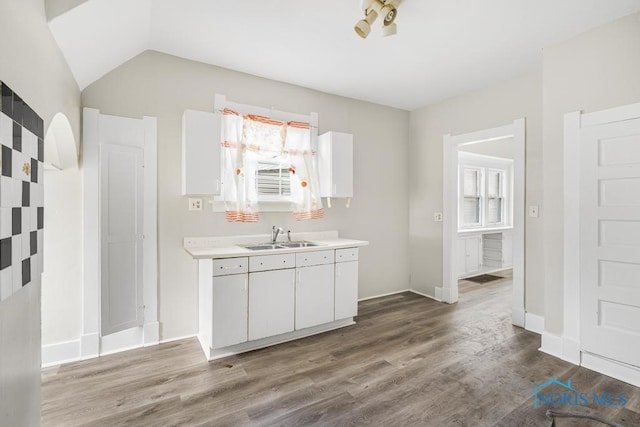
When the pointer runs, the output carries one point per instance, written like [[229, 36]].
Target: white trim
[[423, 295], [551, 344], [91, 343], [89, 346], [518, 316], [611, 115], [60, 353], [571, 293], [438, 296], [383, 295], [621, 371], [516, 130], [91, 250], [185, 337], [534, 323]]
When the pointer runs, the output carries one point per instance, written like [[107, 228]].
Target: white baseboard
[[518, 317], [448, 295], [178, 338], [151, 334], [438, 295], [59, 353], [621, 371], [423, 294], [551, 344], [89, 346], [383, 295], [534, 323], [561, 347]]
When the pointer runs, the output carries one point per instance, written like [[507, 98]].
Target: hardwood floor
[[409, 361]]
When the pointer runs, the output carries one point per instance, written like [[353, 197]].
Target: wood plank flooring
[[409, 361]]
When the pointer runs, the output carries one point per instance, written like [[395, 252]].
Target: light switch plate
[[195, 204], [437, 216], [533, 211]]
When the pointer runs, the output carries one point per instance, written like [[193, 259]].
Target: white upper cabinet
[[201, 133], [335, 164]]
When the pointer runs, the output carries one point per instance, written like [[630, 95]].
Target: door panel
[[610, 241], [121, 190]]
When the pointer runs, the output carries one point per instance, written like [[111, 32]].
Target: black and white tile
[[21, 193]]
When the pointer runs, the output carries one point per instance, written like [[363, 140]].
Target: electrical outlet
[[437, 216], [533, 211], [195, 204]]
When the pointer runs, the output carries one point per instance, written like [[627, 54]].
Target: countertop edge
[[232, 251]]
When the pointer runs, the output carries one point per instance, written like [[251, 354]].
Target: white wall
[[597, 70], [494, 106], [164, 86], [32, 65]]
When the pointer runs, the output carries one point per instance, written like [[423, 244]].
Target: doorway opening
[[487, 213]]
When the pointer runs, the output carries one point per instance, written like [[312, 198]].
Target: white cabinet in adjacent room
[[346, 283], [271, 303], [201, 160], [314, 288], [335, 164], [469, 255]]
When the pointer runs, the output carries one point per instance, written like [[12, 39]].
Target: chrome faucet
[[274, 233]]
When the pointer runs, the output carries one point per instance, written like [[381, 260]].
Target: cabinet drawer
[[272, 262], [304, 259], [226, 266], [348, 254]]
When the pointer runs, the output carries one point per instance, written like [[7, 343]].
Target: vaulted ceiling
[[443, 47]]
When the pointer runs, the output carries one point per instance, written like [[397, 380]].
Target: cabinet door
[[473, 254], [346, 300], [314, 295], [201, 157], [230, 300], [271, 303]]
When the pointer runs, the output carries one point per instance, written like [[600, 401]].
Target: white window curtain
[[305, 185], [250, 138]]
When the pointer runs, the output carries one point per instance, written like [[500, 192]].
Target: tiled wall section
[[21, 194]]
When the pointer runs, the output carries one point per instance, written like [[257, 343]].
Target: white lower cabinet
[[273, 298], [346, 290], [314, 295], [230, 310], [469, 255], [271, 303]]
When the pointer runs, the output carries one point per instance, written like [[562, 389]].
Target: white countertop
[[232, 246]]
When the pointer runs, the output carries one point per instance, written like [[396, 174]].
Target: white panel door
[[121, 220], [610, 240], [271, 303], [314, 295]]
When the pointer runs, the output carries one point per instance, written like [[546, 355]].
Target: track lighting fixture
[[388, 9]]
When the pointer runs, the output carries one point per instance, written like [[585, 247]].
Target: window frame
[[486, 165]]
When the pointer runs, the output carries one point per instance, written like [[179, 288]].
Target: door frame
[[449, 291], [568, 346], [92, 344]]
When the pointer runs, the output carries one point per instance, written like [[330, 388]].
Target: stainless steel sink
[[298, 244], [264, 246]]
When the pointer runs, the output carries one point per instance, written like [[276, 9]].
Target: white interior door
[[610, 241], [121, 222]]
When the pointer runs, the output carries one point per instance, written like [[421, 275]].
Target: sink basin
[[298, 244], [263, 247]]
